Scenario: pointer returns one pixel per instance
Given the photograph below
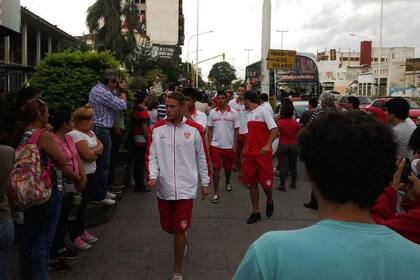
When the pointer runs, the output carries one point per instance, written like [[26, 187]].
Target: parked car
[[414, 113], [300, 107], [365, 101]]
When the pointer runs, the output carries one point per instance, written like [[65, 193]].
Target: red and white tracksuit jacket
[[174, 155]]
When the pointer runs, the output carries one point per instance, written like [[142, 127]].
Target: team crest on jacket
[[187, 135]]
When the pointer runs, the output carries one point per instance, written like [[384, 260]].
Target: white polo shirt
[[200, 118], [223, 125], [240, 109]]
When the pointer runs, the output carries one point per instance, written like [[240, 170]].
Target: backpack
[[30, 184]]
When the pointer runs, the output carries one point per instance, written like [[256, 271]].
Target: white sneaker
[[215, 199], [176, 276], [106, 202], [110, 195]]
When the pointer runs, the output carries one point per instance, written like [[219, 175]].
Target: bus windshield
[[303, 81]]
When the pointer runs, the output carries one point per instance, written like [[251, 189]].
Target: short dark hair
[[313, 102], [178, 97], [25, 94], [354, 101], [350, 156], [287, 111], [414, 142], [190, 92], [252, 97], [221, 92], [398, 106], [161, 99], [58, 118], [140, 96], [264, 97]]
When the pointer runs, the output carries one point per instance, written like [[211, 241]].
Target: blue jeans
[[102, 164], [7, 235], [38, 232]]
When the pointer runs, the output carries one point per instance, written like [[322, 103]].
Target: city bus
[[301, 83]]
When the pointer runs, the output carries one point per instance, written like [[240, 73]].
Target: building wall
[[162, 18]]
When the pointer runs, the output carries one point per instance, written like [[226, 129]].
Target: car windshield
[[413, 104], [365, 100], [299, 110]]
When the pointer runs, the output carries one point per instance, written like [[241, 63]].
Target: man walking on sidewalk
[[257, 164], [223, 129], [238, 105], [176, 149]]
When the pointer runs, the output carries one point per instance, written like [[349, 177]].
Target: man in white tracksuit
[[176, 148]]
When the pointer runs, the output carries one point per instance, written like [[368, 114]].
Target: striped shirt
[[106, 105], [161, 110]]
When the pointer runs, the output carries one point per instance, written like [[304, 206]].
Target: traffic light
[[223, 56]]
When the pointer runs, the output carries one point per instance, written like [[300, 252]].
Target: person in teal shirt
[[350, 158]]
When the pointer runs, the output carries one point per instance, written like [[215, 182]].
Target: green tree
[[67, 78], [142, 60], [104, 19], [222, 74]]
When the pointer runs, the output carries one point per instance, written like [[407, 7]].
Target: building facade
[[21, 51], [354, 73]]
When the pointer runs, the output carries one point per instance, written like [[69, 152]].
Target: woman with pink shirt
[[60, 122]]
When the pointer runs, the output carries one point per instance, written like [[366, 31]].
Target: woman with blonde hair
[[89, 148]]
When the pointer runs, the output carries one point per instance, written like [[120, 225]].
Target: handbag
[[30, 183]]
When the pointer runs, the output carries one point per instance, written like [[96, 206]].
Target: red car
[[379, 103], [365, 101]]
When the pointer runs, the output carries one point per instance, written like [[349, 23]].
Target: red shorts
[[258, 169], [240, 145], [175, 215], [222, 157]]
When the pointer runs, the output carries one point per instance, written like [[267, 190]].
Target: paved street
[[132, 245]]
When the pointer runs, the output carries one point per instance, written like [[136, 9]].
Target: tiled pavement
[[132, 245]]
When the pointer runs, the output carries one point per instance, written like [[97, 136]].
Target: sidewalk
[[132, 245]]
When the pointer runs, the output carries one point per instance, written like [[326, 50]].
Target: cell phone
[[406, 170]]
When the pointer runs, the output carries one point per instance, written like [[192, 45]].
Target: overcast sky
[[236, 24]]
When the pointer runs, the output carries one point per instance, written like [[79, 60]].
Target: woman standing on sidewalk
[[60, 122], [287, 152], [40, 221], [89, 148]]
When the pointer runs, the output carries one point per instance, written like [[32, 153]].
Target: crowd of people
[[355, 163]]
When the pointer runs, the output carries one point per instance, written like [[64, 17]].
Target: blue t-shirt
[[331, 250]]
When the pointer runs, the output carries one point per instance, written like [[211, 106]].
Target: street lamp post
[[196, 48], [188, 46], [248, 51], [282, 32], [265, 45]]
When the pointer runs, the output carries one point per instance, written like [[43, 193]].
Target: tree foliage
[[104, 20], [222, 74], [67, 78]]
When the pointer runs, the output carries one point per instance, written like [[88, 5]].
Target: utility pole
[[380, 47], [196, 47], [265, 46]]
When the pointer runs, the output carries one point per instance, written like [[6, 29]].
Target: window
[[369, 89], [137, 1], [143, 1]]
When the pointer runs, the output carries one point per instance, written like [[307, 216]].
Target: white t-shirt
[[240, 109], [224, 125], [200, 118], [402, 132], [77, 136], [267, 106]]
